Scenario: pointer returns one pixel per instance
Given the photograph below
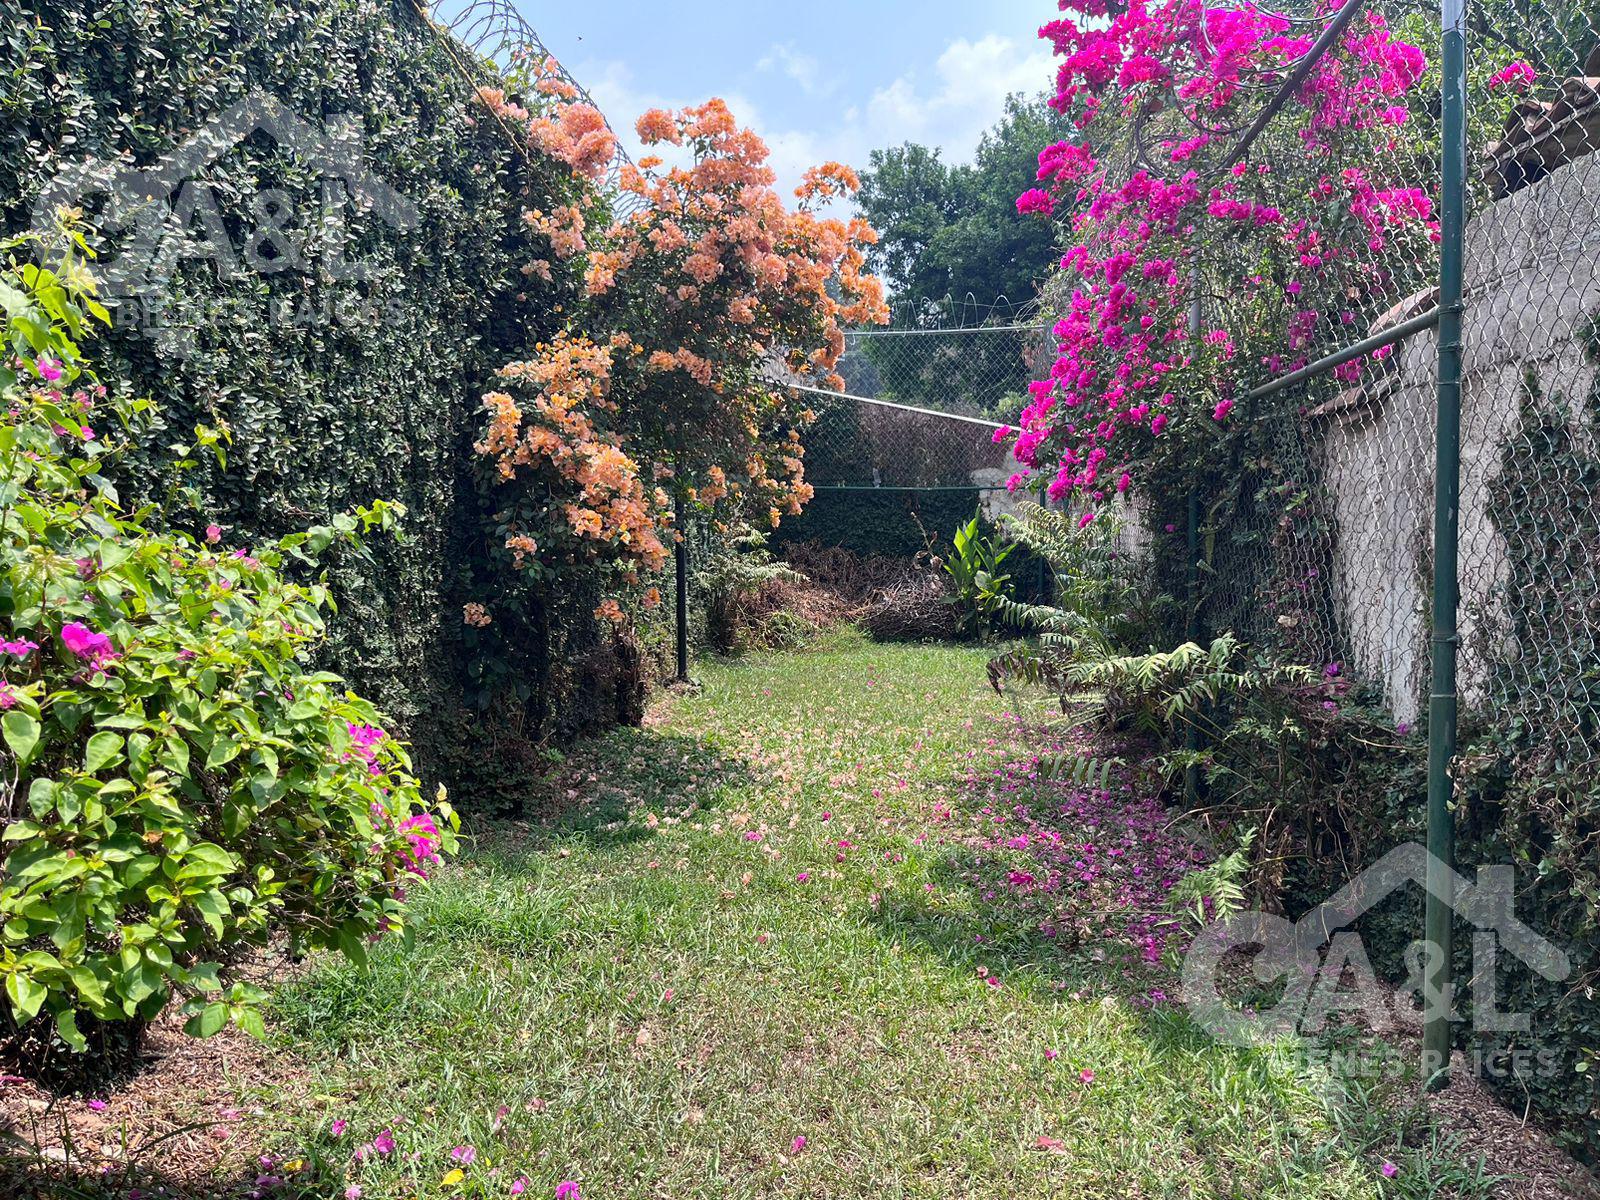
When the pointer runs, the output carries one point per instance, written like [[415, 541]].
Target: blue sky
[[818, 79]]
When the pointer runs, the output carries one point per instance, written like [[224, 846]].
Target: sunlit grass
[[666, 988]]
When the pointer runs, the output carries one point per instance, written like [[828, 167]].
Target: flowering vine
[[1160, 91]]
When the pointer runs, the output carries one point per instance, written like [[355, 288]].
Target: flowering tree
[[1156, 210], [662, 388]]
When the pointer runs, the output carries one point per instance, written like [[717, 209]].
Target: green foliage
[[1216, 892], [738, 568], [974, 564], [332, 391], [177, 783]]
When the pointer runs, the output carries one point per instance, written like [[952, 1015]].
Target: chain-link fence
[[1434, 543], [1323, 547], [487, 39]]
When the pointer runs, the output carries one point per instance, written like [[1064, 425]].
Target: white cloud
[[971, 82], [802, 68], [961, 97]]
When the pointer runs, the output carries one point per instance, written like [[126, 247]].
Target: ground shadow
[[605, 787]]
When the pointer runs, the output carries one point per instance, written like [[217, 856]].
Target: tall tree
[[948, 231]]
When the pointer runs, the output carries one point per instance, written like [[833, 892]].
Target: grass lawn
[[757, 925]]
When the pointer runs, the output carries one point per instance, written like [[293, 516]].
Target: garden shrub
[[178, 783]]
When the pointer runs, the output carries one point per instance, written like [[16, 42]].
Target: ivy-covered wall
[[336, 391]]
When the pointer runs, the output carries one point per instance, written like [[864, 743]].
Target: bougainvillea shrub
[[177, 784], [1158, 212], [660, 390]]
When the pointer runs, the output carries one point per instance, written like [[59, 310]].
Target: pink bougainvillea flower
[[1517, 75], [1389, 1170], [567, 1190], [519, 1185], [8, 696], [798, 1144], [802, 877], [353, 1192], [213, 534], [384, 1142], [1052, 1055], [1086, 1076], [465, 1155], [97, 1106], [1036, 200], [18, 649], [49, 368], [94, 648]]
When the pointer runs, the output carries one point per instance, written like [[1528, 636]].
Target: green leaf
[[27, 995], [208, 1021], [304, 710], [224, 749], [67, 1027], [250, 1021], [103, 749], [21, 733], [213, 908], [206, 860]]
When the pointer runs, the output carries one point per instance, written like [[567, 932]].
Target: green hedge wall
[[325, 413], [893, 523]]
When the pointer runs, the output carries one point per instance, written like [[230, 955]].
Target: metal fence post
[[680, 557], [1442, 701], [1193, 630]]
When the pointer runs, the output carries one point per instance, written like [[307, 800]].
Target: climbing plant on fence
[[333, 392], [1245, 323]]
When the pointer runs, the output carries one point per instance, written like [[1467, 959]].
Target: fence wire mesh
[[1321, 545], [923, 398], [488, 38]]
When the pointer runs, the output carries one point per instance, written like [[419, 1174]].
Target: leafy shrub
[[177, 785], [974, 566], [752, 600]]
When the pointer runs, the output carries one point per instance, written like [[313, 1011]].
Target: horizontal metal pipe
[[943, 487], [1377, 341], [876, 333], [927, 412]]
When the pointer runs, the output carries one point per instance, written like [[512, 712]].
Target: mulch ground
[[185, 1122]]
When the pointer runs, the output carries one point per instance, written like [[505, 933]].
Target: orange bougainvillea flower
[[693, 313]]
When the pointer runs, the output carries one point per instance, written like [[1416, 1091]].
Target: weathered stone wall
[[1533, 291]]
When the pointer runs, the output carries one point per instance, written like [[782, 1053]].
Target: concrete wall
[[1533, 288]]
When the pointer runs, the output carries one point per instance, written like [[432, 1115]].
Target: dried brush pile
[[891, 599]]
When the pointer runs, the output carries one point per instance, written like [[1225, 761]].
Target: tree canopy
[[948, 229]]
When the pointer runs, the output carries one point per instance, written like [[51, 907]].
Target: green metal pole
[[680, 558], [1442, 701], [1192, 628]]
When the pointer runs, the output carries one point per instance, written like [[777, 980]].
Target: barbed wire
[[498, 35]]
